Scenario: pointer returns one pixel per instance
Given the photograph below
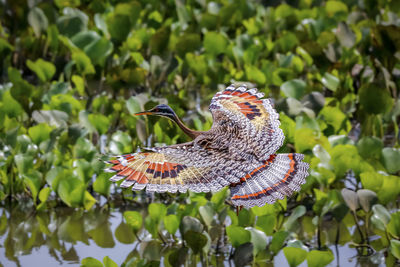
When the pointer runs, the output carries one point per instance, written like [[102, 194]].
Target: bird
[[238, 151]]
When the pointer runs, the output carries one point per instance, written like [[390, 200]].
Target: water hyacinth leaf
[[267, 223], [133, 219], [24, 163], [395, 248], [207, 214], [33, 180], [243, 254], [124, 234], [178, 256], [55, 118], [345, 35], [332, 7], [294, 256], [375, 99], [316, 258], [237, 235], [391, 159], [171, 223], [88, 201], [100, 122], [102, 184], [367, 199], [330, 81], [72, 22], [370, 147], [298, 212], [254, 74], [85, 38], [214, 43], [351, 199], [294, 88], [157, 211], [380, 217], [121, 143], [246, 218], [393, 227], [152, 251], [219, 197], [372, 180], [109, 262], [195, 240], [133, 105], [38, 21], [98, 51], [91, 262], [43, 196], [390, 189], [45, 70], [258, 239], [83, 63], [191, 223]]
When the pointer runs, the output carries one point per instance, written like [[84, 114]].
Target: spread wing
[[256, 119], [178, 168]]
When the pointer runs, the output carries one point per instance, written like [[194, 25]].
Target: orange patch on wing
[[287, 175]]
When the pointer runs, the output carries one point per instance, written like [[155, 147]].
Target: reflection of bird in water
[[238, 151]]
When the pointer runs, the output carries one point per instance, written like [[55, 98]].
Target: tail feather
[[280, 176]]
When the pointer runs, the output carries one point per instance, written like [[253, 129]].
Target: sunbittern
[[238, 151]]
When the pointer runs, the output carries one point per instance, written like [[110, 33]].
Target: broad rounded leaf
[[294, 88], [134, 219], [318, 258], [367, 199], [237, 235], [294, 256], [351, 199], [391, 159]]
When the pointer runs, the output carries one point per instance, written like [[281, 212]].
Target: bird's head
[[160, 110]]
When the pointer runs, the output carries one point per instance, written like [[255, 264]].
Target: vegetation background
[[74, 71]]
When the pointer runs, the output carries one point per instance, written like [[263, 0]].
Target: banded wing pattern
[[238, 151], [259, 121]]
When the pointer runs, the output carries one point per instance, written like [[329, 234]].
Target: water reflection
[[64, 236]]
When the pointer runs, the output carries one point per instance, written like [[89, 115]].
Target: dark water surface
[[65, 236]]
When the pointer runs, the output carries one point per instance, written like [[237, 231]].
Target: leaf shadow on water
[[67, 236]]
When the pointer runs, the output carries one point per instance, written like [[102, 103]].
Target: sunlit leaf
[[38, 20], [237, 235], [294, 256], [316, 258], [133, 219], [294, 88], [171, 223]]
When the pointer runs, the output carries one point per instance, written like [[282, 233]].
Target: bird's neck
[[191, 133]]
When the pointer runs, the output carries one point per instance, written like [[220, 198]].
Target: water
[[65, 236]]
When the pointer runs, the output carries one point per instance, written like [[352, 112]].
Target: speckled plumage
[[238, 151]]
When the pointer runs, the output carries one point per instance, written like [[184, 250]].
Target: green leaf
[[391, 159], [133, 105], [171, 223], [133, 219], [316, 258], [277, 241], [102, 184], [71, 191], [367, 199], [207, 214], [191, 223], [393, 226], [332, 7], [215, 43], [83, 63], [88, 200], [255, 74], [294, 88], [351, 199], [109, 262], [121, 143], [330, 81], [390, 189], [298, 212], [24, 163], [380, 217], [370, 147], [157, 211], [124, 234], [258, 239], [196, 241], [100, 122], [372, 180], [39, 133], [237, 235], [72, 22], [267, 223], [375, 99], [45, 70], [91, 262], [294, 256], [33, 180], [38, 21], [395, 248]]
